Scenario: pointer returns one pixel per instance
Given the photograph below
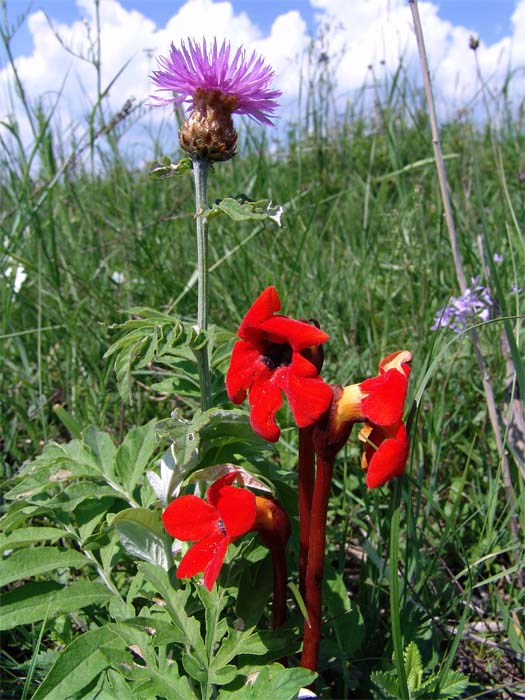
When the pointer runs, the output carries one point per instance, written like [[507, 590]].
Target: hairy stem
[[306, 469], [458, 263], [314, 569], [200, 175]]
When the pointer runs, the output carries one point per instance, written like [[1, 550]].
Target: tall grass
[[365, 251]]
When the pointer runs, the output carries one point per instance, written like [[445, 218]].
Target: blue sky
[[490, 19], [367, 41]]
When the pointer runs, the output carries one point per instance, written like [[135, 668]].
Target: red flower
[[229, 513], [379, 402], [271, 358]]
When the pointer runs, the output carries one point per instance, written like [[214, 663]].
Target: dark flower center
[[277, 355], [220, 525]]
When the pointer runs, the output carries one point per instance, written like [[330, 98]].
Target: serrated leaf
[[35, 601], [134, 454], [142, 535], [387, 682], [79, 663], [412, 659], [453, 685], [26, 563]]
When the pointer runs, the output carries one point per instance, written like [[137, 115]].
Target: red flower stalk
[[379, 403], [273, 527], [229, 513], [277, 354]]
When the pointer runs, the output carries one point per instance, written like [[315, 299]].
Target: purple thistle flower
[[195, 69], [475, 302]]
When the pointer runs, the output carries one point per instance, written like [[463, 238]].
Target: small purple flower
[[195, 69], [498, 258], [475, 302]]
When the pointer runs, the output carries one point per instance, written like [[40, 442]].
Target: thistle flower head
[[241, 81]]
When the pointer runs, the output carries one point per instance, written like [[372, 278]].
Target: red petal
[[388, 461], [262, 308], [213, 494], [189, 518], [386, 397], [265, 400], [308, 398], [298, 334], [236, 508], [301, 367], [242, 370], [200, 554], [214, 566]]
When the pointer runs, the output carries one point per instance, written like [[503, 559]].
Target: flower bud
[[208, 133]]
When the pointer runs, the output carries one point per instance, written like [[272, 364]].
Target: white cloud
[[364, 33]]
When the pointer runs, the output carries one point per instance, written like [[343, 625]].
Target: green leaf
[[238, 642], [175, 603], [74, 428], [26, 563], [56, 464], [29, 535], [134, 454], [151, 683], [142, 535], [387, 681], [346, 619], [222, 675], [163, 630], [165, 168], [112, 686], [241, 208], [255, 587], [453, 685], [413, 666], [103, 450], [172, 474], [79, 663], [272, 681], [34, 601]]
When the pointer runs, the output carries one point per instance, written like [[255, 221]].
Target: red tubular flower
[[275, 355], [379, 403], [228, 513]]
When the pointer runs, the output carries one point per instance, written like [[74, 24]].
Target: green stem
[[306, 469], [395, 611], [314, 569], [200, 175]]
